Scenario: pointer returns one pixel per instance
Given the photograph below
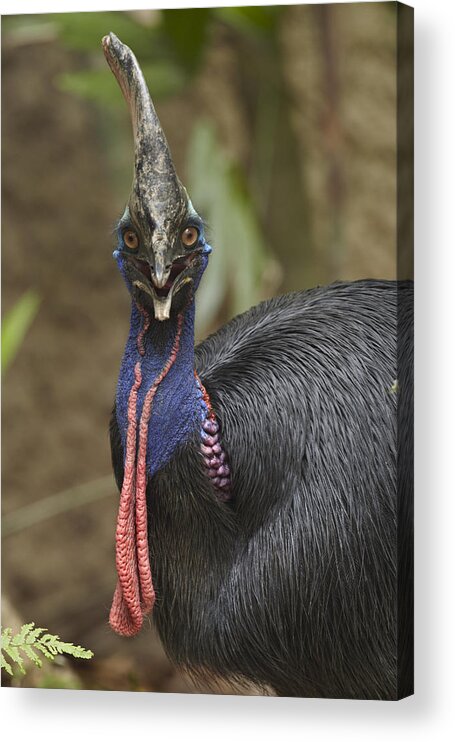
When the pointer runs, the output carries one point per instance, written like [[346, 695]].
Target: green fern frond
[[30, 639]]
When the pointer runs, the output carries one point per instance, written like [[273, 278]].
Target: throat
[[162, 355], [158, 408]]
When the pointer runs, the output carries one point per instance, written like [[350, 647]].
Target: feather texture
[[294, 582]]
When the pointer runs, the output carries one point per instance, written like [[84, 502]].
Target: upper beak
[[159, 272]]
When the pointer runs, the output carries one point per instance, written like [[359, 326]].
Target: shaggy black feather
[[303, 583]]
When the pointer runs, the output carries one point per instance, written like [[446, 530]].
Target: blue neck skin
[[178, 409]]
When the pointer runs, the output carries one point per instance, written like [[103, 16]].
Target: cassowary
[[265, 482]]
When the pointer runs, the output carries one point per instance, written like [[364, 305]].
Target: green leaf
[[15, 325], [240, 253], [4, 665], [251, 19], [23, 635], [33, 635], [49, 655], [30, 639], [48, 643], [31, 654], [73, 650], [13, 653], [6, 636], [186, 30], [98, 85], [84, 31]]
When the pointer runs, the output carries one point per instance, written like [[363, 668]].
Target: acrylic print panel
[[255, 536]]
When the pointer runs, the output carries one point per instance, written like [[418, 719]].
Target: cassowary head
[[161, 251]]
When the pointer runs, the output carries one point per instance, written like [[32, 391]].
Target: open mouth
[[162, 296]]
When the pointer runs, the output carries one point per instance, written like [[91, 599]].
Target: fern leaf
[[33, 635], [13, 654], [31, 654], [30, 640], [45, 651], [6, 636], [11, 651], [20, 638], [54, 644], [74, 650], [4, 665], [50, 643]]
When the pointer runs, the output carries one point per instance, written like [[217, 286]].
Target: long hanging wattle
[[134, 595]]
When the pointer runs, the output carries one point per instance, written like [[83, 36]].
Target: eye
[[131, 239], [189, 236]]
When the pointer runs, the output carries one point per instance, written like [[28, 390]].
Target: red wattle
[[134, 595]]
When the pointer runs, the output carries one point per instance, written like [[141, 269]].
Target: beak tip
[[162, 308], [159, 281]]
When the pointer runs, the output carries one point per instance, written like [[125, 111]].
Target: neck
[[159, 406], [159, 360]]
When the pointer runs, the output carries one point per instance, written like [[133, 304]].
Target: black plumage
[[299, 583]]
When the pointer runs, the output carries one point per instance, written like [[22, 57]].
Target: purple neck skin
[[180, 403], [175, 411]]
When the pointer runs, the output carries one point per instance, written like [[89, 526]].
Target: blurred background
[[282, 124]]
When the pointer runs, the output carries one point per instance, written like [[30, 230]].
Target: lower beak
[[162, 306], [162, 300]]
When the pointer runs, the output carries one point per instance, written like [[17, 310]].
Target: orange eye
[[131, 239], [190, 236]]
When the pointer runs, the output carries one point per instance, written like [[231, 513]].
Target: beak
[[161, 282], [160, 271], [162, 306]]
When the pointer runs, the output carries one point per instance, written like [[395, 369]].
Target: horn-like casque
[[157, 190]]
